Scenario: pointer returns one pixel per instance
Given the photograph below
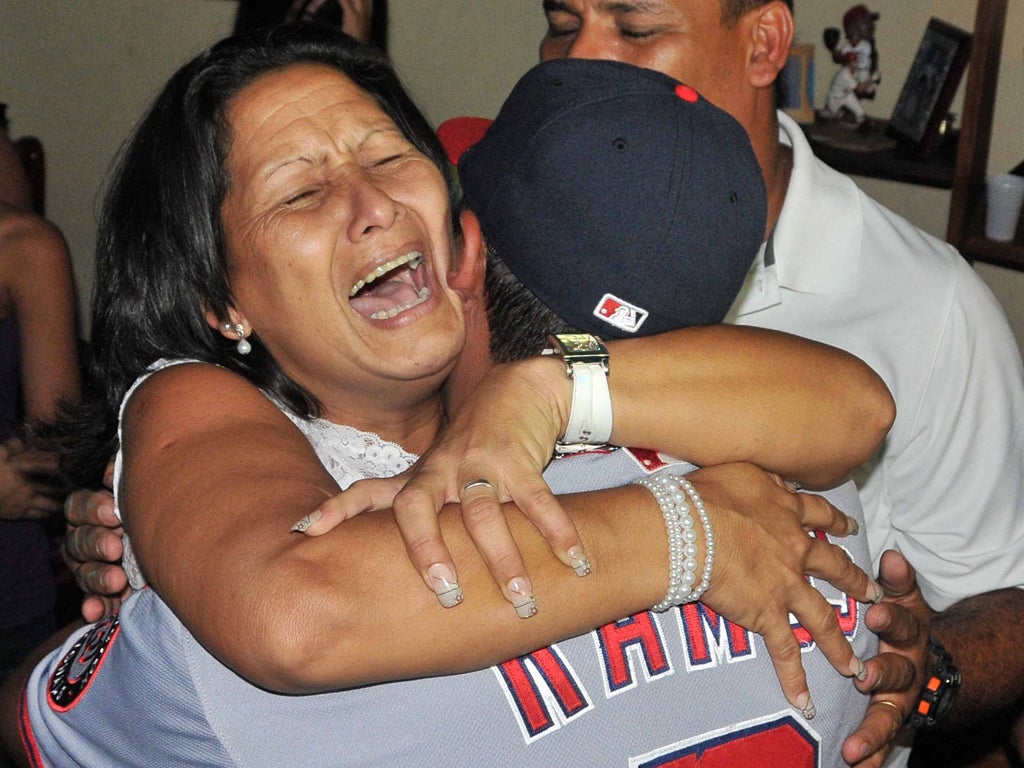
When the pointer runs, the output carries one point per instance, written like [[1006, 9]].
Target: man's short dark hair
[[732, 10], [519, 321]]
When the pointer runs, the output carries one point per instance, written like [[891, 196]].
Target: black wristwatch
[[939, 690]]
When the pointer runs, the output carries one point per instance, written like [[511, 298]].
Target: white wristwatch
[[590, 416]]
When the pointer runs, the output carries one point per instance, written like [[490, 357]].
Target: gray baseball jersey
[[683, 688]]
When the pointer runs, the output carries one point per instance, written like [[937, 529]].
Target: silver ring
[[480, 483]]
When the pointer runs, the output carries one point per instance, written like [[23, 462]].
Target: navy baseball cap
[[621, 198]]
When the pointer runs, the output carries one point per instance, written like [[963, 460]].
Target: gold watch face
[[581, 344], [578, 348]]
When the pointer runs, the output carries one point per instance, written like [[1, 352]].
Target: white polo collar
[[818, 200]]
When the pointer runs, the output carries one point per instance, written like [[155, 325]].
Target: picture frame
[[930, 86], [796, 83]]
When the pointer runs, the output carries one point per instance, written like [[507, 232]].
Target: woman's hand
[[763, 555], [494, 449]]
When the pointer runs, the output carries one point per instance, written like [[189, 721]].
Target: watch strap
[[939, 690], [590, 417], [590, 414]]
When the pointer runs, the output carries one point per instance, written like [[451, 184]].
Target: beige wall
[[77, 74]]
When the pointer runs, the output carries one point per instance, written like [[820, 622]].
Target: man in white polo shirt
[[947, 489]]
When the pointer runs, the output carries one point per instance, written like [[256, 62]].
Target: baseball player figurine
[[858, 76]]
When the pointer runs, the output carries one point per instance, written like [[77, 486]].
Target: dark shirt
[[26, 577]]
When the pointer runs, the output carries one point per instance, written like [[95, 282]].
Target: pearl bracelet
[[672, 493]]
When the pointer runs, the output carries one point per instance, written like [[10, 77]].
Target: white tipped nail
[[443, 582], [806, 705], [580, 563], [306, 523], [521, 593], [878, 594], [858, 669]]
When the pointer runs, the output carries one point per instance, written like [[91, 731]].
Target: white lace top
[[347, 453]]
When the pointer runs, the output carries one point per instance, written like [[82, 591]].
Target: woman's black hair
[[160, 261]]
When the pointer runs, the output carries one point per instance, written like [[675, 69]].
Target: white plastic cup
[[1005, 196]]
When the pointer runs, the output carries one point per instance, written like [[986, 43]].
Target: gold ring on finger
[[894, 705]]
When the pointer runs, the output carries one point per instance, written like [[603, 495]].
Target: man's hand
[[92, 549], [28, 490], [896, 674], [356, 15], [763, 554], [504, 435], [357, 18]]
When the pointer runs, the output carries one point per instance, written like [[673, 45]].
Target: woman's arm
[[214, 475], [711, 395], [36, 289], [36, 275], [804, 410]]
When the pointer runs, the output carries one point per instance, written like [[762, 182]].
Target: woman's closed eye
[[301, 196], [388, 159]]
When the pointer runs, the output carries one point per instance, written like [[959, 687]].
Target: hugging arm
[[333, 611], [716, 394]]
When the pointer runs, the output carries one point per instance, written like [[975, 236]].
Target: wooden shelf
[[880, 157], [959, 165], [976, 247], [966, 228]]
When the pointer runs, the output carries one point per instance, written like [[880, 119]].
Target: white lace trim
[[347, 453], [350, 454]]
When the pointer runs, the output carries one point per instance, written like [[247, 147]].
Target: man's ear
[[773, 35], [467, 273], [227, 328]]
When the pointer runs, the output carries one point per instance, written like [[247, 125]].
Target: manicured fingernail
[[521, 593], [307, 522], [864, 751], [853, 525], [877, 593], [858, 669], [806, 705], [579, 561], [443, 582]]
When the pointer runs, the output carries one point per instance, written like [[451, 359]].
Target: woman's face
[[338, 238]]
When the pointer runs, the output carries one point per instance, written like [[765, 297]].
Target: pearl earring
[[243, 346]]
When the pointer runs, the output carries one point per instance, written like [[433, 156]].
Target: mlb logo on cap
[[623, 315]]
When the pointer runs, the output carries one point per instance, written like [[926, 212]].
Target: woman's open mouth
[[391, 288]]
